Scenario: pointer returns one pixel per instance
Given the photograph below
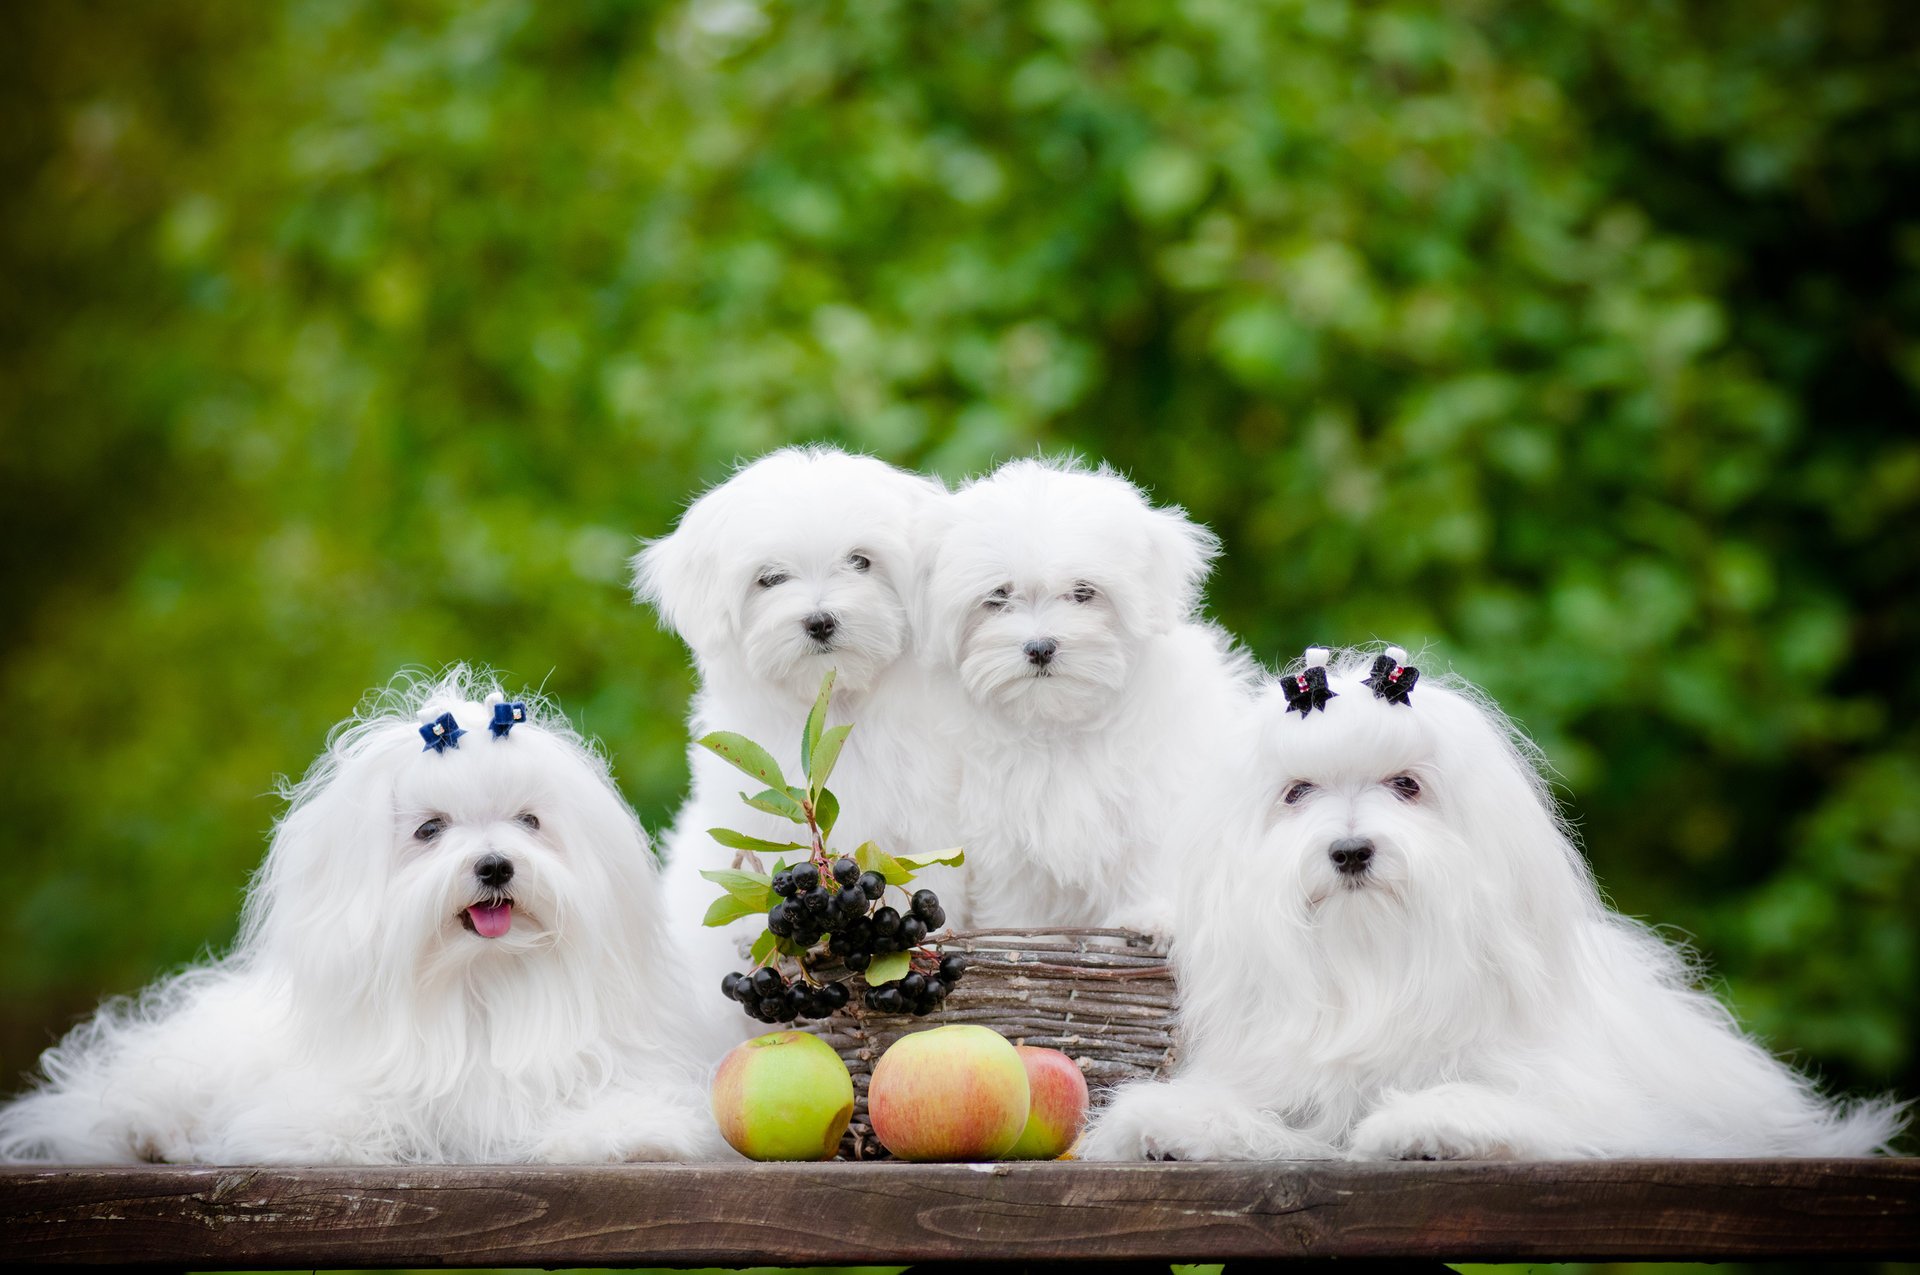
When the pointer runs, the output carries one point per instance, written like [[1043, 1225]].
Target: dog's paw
[[573, 1146], [151, 1144], [626, 1132], [668, 1144], [614, 1146], [1155, 921], [1430, 1126], [1139, 1124], [1192, 1120]]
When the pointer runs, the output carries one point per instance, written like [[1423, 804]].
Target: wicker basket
[[1103, 997]]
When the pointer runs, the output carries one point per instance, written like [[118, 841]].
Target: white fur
[[1067, 770], [1470, 997], [801, 514], [357, 1020]]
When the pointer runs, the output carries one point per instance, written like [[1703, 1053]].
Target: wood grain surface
[[721, 1215]]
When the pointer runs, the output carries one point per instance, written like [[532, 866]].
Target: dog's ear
[[308, 906], [938, 609], [1493, 794], [605, 849], [1180, 553], [928, 502], [682, 577]]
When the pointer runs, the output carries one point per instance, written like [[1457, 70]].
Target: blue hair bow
[[507, 714], [442, 733]]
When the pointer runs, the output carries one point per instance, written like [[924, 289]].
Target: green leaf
[[763, 947], [953, 858], [728, 908], [825, 754], [776, 802], [749, 887], [746, 755], [816, 722], [826, 813], [872, 858], [741, 841], [888, 968], [789, 947]]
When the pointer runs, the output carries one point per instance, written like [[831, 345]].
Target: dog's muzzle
[[820, 627], [492, 915], [1351, 855]]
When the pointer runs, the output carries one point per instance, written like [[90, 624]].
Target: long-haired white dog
[[453, 952], [1063, 603], [1400, 954], [801, 562]]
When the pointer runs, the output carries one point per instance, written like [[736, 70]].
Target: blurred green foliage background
[[1579, 340]]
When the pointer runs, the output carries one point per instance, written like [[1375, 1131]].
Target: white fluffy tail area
[[123, 1087], [1864, 1126], [1709, 1088]]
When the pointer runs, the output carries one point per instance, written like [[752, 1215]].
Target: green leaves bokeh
[[1578, 340]]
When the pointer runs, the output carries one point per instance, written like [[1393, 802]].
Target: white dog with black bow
[[454, 952], [1395, 951]]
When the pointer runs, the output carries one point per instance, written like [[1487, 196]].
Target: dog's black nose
[[1351, 855], [820, 626], [494, 870], [1041, 651]]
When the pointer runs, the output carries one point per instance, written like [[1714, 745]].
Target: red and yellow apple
[[783, 1096], [952, 1093], [1057, 1106]]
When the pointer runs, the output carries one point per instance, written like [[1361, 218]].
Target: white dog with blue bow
[[454, 952]]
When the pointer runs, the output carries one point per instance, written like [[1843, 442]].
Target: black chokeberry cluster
[[844, 906], [920, 992], [767, 996], [868, 934]]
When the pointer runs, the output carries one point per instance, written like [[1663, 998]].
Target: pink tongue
[[491, 919]]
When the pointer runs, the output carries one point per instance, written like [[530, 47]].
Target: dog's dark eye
[[859, 561], [1406, 787], [430, 829], [1083, 592], [1296, 792], [531, 820], [770, 578], [997, 599]]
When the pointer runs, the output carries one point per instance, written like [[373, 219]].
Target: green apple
[[783, 1096], [1057, 1108], [953, 1093]]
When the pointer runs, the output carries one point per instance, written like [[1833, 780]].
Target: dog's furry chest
[[483, 1065], [1322, 1022], [1051, 834]]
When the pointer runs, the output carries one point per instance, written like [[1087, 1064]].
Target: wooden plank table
[[719, 1215]]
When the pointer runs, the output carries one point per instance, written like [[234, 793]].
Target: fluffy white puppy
[[450, 953], [1063, 602], [1400, 954], [801, 562]]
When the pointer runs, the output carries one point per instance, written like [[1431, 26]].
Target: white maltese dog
[[1396, 952], [801, 562], [453, 951], [1063, 603]]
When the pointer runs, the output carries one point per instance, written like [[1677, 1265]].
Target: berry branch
[[841, 899]]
